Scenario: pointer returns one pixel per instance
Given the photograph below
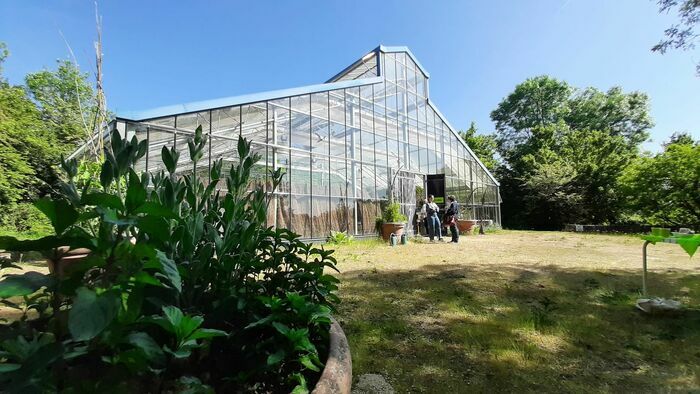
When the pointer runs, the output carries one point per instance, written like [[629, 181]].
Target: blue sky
[[168, 52]]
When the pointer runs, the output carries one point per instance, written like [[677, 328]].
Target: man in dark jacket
[[451, 216]]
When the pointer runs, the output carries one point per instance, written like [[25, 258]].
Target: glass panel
[[321, 217], [319, 135], [368, 187], [191, 121], [301, 215], [157, 139], [367, 212], [283, 211], [319, 105], [380, 155], [279, 122], [389, 67], [338, 215], [301, 103], [367, 147], [337, 139], [281, 159], [254, 120], [337, 106], [338, 179], [301, 131], [320, 175], [382, 182], [300, 174], [352, 107]]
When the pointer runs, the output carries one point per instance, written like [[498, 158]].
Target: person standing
[[422, 220], [431, 211], [451, 216]]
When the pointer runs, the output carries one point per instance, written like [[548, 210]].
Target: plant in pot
[[182, 288], [465, 224], [391, 221]]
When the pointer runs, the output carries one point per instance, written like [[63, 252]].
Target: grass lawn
[[520, 311]]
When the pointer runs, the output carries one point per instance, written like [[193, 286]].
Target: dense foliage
[[483, 145], [38, 123], [665, 188], [562, 151], [184, 287]]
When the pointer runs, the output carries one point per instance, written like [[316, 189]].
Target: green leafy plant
[[181, 286], [340, 238], [392, 213]]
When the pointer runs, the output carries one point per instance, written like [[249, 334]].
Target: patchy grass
[[520, 311]]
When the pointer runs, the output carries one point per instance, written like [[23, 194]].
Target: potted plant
[[173, 287], [465, 225], [391, 221]]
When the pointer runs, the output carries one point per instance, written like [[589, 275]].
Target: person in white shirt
[[430, 210]]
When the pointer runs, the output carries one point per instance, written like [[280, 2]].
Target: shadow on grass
[[452, 328]]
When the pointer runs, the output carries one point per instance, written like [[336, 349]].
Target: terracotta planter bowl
[[336, 377], [396, 228], [465, 226]]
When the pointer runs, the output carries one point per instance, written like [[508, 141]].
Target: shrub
[[340, 238], [184, 287]]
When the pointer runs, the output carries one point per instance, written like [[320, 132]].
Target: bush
[[392, 213], [24, 220], [184, 287], [340, 238]]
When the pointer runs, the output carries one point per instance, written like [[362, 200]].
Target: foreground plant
[[183, 287]]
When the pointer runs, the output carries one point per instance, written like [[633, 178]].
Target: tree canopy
[[39, 122], [483, 145], [563, 149], [665, 188]]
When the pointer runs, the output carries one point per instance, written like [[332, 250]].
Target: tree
[[680, 36], [663, 189], [619, 113], [537, 102], [483, 146], [38, 123], [563, 149], [67, 102]]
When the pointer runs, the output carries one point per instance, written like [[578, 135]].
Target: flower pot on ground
[[465, 225], [391, 221], [336, 377], [395, 228]]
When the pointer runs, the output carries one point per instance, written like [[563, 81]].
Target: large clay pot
[[63, 258], [465, 226], [388, 228], [336, 377]]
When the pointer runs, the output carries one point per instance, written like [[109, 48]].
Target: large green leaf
[[135, 193], [91, 313], [148, 346], [169, 268], [102, 199], [25, 284], [59, 212]]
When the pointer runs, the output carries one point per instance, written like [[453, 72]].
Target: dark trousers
[[455, 232]]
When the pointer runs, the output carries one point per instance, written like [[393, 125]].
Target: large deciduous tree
[[563, 149]]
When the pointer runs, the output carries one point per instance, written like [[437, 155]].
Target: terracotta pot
[[388, 228], [465, 226], [336, 377], [64, 258]]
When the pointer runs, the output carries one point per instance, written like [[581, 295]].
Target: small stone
[[372, 383]]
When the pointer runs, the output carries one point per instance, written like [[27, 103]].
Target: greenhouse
[[345, 146]]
